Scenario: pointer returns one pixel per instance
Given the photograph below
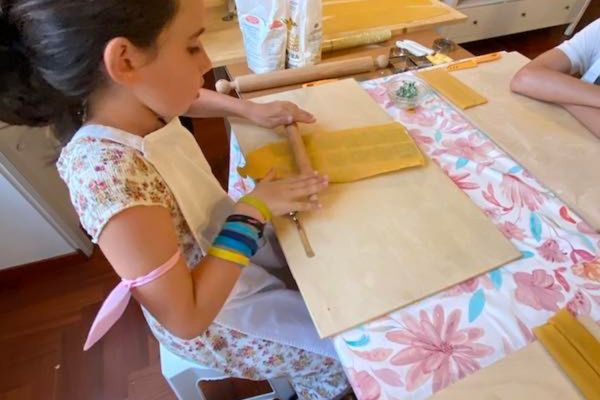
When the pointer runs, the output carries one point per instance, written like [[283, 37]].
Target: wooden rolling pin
[[300, 155], [359, 39], [252, 82], [304, 168]]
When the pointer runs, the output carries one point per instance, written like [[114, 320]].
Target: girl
[[119, 72]]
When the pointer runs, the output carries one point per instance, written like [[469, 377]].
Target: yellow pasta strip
[[452, 88], [573, 351]]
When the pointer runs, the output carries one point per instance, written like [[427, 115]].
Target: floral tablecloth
[[422, 348]]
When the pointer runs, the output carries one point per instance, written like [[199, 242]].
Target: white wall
[[25, 236], [26, 160]]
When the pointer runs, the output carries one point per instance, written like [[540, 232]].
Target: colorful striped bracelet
[[237, 242]]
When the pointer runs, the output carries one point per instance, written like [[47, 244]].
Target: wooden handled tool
[[304, 168], [253, 82]]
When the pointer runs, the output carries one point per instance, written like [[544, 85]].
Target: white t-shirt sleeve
[[584, 48]]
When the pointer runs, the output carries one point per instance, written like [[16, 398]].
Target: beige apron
[[259, 305]]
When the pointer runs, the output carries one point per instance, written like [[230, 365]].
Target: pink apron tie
[[114, 306]]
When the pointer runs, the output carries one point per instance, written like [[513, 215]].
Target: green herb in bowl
[[408, 90]]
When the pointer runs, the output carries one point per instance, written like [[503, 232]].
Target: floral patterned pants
[[314, 377]]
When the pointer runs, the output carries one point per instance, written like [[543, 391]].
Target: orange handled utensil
[[474, 62]]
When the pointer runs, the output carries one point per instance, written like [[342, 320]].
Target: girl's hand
[[274, 114], [283, 196]]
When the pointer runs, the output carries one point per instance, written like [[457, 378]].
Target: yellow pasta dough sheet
[[345, 156], [357, 15]]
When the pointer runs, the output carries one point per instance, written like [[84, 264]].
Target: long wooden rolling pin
[[253, 82], [356, 40]]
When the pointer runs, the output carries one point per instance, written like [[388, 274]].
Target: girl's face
[[173, 77]]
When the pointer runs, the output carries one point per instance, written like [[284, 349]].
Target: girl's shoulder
[[92, 155], [105, 178]]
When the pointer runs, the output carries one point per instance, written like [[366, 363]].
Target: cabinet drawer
[[541, 14], [499, 19]]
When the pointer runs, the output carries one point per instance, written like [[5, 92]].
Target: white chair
[[183, 377]]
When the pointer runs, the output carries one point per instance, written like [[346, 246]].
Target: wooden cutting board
[[380, 243], [528, 374], [542, 137]]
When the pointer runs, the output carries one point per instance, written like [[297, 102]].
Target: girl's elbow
[[186, 325], [188, 331], [519, 81]]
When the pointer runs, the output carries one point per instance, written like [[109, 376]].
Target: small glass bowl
[[402, 102]]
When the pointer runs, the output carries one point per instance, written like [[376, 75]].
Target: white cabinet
[[490, 18]]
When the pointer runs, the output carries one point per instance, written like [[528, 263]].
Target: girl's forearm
[[211, 104]]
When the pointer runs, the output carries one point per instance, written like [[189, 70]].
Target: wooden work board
[[380, 243], [544, 138], [528, 374]]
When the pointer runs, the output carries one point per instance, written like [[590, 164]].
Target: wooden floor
[[45, 314], [46, 310]]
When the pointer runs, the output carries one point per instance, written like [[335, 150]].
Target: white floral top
[[105, 178]]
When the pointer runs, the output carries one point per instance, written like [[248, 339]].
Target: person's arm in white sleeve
[[547, 78]]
